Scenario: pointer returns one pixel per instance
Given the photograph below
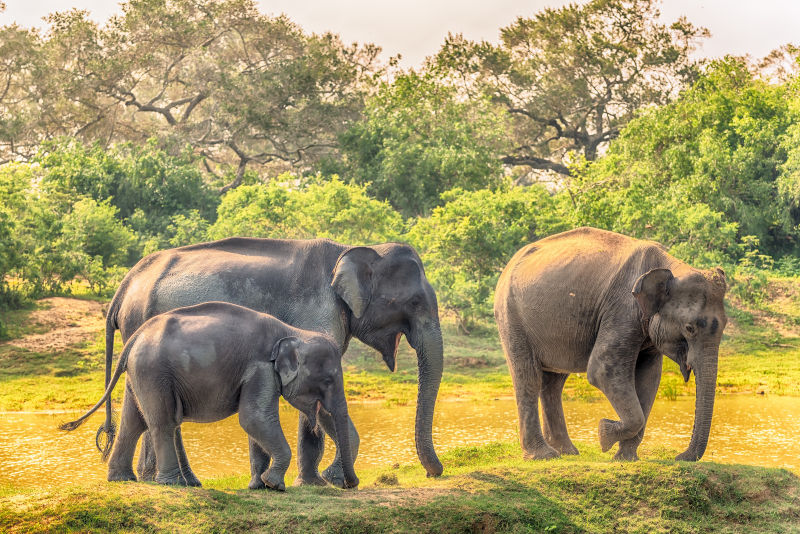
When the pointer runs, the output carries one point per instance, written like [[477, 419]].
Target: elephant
[[601, 303], [374, 293], [207, 362]]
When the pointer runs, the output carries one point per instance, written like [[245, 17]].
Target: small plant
[[669, 391]]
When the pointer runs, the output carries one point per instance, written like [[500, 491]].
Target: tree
[[237, 86], [417, 139], [325, 208], [19, 60], [701, 173], [148, 185], [466, 242], [572, 77]]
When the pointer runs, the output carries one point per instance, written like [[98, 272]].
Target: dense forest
[[180, 121]]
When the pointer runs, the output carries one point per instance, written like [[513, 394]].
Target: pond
[[746, 429]]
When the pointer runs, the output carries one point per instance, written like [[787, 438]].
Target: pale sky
[[417, 28]]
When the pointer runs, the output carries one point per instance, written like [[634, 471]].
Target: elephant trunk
[[428, 344], [342, 427], [705, 372]]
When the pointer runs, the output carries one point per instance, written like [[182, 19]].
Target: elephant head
[[389, 296], [310, 373], [684, 317]]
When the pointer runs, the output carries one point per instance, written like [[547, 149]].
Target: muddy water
[[746, 429]]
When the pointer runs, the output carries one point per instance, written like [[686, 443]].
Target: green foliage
[[93, 228], [572, 77], [59, 235], [144, 182], [322, 208], [698, 174], [466, 242], [418, 139]]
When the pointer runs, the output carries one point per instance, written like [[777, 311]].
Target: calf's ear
[[652, 290], [284, 357]]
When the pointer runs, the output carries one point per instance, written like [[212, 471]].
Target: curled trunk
[[428, 344], [706, 385]]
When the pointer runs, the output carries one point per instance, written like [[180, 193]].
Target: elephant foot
[[545, 452], [256, 483], [625, 456], [687, 456], [608, 434], [309, 480], [273, 480], [562, 446], [334, 475], [192, 481], [146, 471], [121, 476], [171, 479], [569, 449]]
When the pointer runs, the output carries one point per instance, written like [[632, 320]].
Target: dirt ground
[[65, 321]]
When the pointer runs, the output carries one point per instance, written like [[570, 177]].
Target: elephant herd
[[230, 326]]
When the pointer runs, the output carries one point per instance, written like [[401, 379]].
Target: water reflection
[[746, 429]]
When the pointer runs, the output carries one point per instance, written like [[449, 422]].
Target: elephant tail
[[108, 428]]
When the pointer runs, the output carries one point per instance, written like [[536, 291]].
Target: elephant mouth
[[390, 354], [686, 369]]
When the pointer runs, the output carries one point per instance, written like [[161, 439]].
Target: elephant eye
[[690, 329]]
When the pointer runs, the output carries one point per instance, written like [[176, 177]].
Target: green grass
[[485, 489]]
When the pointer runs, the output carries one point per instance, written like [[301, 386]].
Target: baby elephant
[[204, 363]]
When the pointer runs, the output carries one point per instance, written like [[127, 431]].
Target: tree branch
[[537, 163]]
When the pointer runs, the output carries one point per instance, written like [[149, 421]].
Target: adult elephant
[[376, 294], [608, 305]]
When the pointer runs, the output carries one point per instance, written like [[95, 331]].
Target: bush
[[466, 243], [418, 139], [281, 209], [147, 185]]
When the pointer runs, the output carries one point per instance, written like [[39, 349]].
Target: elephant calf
[[600, 303], [206, 362]]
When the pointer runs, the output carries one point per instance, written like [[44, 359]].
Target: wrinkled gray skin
[[207, 362], [596, 302], [376, 294]]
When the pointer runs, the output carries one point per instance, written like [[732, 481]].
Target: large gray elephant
[[597, 302], [376, 293], [207, 362]]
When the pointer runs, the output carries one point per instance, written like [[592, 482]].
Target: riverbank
[[54, 361], [484, 489]]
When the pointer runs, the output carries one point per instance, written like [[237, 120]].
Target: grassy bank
[[55, 359], [485, 489]]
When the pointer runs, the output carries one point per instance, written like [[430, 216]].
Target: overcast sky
[[417, 28]]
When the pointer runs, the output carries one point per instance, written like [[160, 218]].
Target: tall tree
[[417, 139], [238, 86], [572, 77]]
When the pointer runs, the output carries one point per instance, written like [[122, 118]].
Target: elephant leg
[[648, 377], [259, 463], [146, 468], [613, 372], [131, 426], [310, 447], [259, 418], [168, 468], [555, 426], [526, 375], [186, 471], [334, 474]]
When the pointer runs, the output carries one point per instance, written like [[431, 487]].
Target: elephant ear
[[284, 357], [651, 291], [352, 277]]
